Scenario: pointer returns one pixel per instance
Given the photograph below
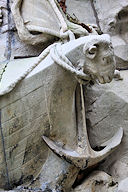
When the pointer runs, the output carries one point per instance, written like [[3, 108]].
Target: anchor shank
[[81, 119]]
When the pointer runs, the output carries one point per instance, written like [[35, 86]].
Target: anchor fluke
[[86, 157]]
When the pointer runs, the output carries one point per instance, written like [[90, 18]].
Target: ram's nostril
[[101, 79], [107, 79]]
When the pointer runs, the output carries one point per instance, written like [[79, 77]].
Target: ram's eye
[[92, 50], [91, 53]]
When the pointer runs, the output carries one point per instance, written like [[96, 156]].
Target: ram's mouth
[[104, 79], [104, 76]]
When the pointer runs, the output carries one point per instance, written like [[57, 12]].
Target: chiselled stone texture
[[3, 29], [98, 181], [45, 102], [113, 19], [123, 185], [82, 10], [11, 45], [21, 50], [25, 120], [107, 109]]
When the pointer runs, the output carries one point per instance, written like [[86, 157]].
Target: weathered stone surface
[[20, 49], [34, 108], [82, 10], [121, 52], [11, 45], [35, 27], [49, 173], [98, 181], [3, 36], [123, 185], [25, 112], [109, 18], [28, 114], [28, 151], [113, 19], [41, 14], [107, 108]]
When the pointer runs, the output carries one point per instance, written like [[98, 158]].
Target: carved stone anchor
[[84, 156]]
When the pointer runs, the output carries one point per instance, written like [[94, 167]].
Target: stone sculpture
[[28, 24], [87, 49], [53, 84], [97, 62]]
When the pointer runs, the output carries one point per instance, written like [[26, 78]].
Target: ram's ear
[[91, 51]]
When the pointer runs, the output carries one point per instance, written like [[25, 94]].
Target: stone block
[[107, 109]]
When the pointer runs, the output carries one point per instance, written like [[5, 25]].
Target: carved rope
[[39, 59], [24, 33], [58, 56]]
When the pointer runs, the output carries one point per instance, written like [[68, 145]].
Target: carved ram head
[[100, 60]]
